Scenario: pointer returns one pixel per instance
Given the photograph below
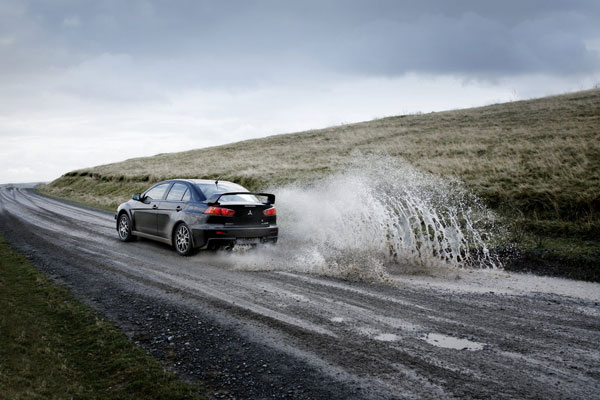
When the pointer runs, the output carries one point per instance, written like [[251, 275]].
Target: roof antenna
[[217, 182]]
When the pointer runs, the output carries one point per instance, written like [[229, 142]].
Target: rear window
[[211, 189], [177, 191]]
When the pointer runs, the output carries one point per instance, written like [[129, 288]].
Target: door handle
[[154, 207]]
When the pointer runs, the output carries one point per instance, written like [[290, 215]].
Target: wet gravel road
[[290, 335]]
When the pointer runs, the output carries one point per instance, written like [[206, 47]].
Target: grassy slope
[[55, 347], [536, 161]]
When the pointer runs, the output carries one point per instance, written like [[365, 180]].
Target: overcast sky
[[84, 83]]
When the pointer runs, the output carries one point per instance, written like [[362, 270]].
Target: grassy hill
[[536, 162]]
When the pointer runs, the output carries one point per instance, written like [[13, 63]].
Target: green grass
[[536, 162], [54, 347]]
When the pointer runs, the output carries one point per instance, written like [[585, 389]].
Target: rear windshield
[[210, 189]]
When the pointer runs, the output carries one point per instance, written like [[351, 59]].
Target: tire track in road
[[364, 339]]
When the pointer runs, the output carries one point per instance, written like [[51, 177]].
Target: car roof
[[196, 181]]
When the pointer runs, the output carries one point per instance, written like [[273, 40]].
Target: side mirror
[[137, 197]]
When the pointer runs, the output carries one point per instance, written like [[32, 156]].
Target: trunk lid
[[247, 214]]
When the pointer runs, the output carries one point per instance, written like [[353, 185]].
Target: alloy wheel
[[182, 239], [124, 227]]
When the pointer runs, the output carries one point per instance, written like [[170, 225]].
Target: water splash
[[380, 214]]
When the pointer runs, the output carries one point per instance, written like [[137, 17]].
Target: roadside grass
[[54, 347], [536, 162]]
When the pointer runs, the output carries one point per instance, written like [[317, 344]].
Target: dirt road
[[281, 334]]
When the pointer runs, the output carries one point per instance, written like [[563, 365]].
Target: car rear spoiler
[[214, 199]]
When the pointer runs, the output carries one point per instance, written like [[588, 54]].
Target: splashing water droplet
[[378, 214]]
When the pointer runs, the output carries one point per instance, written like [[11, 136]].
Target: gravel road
[[279, 334]]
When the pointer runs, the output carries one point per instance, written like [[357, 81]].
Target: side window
[[187, 196], [177, 192], [157, 192]]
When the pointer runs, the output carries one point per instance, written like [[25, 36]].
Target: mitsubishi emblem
[[249, 212]]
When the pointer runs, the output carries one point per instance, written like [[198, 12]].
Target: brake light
[[269, 212], [226, 212]]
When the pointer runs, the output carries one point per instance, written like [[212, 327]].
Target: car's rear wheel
[[182, 240], [125, 228]]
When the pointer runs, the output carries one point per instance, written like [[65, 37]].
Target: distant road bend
[[292, 335]]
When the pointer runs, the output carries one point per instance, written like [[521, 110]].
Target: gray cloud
[[233, 43], [471, 45], [81, 78]]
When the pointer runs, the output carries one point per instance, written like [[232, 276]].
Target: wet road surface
[[284, 334]]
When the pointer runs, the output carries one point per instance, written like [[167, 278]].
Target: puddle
[[449, 342], [386, 337], [337, 319]]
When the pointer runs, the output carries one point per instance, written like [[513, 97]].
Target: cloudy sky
[[84, 83]]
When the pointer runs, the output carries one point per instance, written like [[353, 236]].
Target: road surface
[[282, 334]]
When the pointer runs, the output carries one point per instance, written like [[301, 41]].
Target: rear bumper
[[214, 236]]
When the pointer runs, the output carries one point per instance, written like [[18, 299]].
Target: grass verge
[[55, 347]]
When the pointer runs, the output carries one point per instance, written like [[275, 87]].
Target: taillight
[[226, 212], [270, 211]]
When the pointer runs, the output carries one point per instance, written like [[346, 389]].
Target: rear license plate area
[[247, 241]]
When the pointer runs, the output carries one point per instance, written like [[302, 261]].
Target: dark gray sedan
[[191, 214]]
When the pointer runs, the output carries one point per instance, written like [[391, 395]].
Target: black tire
[[182, 240], [124, 228]]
